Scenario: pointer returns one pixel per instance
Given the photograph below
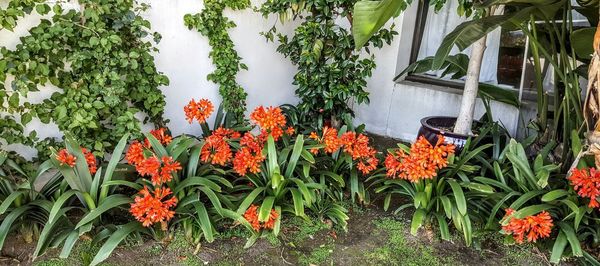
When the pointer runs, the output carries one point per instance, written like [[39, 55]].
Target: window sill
[[529, 98]]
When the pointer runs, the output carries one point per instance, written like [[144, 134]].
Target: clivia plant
[[415, 173]]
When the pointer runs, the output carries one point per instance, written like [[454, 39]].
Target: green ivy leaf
[[26, 118]]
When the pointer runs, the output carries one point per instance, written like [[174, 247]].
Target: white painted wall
[[395, 109]]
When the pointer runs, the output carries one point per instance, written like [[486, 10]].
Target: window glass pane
[[439, 24]]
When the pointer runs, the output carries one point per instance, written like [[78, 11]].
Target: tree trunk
[[467, 106]]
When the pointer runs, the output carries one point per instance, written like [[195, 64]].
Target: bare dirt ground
[[373, 238]]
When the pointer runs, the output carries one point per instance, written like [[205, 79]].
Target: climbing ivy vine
[[213, 24], [331, 70], [97, 59]]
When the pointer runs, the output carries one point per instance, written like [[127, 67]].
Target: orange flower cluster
[[149, 207], [251, 215], [200, 110], [135, 153], [357, 146], [587, 184], [160, 171], [161, 135], [423, 162], [249, 156], [90, 159], [216, 149], [65, 158], [271, 121], [533, 226], [329, 138]]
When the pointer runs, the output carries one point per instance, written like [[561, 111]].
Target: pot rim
[[425, 123]]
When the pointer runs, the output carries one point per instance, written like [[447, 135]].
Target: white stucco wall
[[395, 109]]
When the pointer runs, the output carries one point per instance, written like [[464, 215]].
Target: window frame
[[419, 19]]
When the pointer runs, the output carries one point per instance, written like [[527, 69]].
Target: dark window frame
[[417, 39]]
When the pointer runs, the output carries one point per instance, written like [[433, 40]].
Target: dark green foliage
[[331, 72], [213, 24], [102, 63]]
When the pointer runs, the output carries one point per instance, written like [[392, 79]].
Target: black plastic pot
[[433, 126]]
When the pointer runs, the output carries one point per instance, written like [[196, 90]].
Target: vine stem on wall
[[213, 24]]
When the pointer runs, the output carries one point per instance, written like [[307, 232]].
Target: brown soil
[[354, 247]]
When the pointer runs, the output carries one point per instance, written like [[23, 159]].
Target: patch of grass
[[511, 254], [520, 255], [82, 254], [238, 232], [154, 250], [273, 240], [319, 256], [179, 243], [86, 252], [397, 250], [305, 229], [52, 262]]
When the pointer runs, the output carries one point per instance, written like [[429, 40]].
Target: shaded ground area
[[373, 238]]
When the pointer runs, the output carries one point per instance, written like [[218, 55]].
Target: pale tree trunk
[[467, 106]]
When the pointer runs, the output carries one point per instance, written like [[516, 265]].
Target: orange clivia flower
[[270, 223], [65, 158], [357, 146], [161, 135], [423, 161], [200, 110], [368, 164], [533, 227], [135, 153], [160, 171], [166, 172], [290, 131], [149, 166], [90, 160], [329, 138], [246, 160], [251, 215], [150, 207], [270, 120], [587, 184], [249, 156], [216, 149]]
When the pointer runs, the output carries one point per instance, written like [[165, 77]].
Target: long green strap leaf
[[83, 171], [114, 240], [112, 165], [8, 221], [204, 221], [459, 197], [10, 199], [110, 203], [296, 152], [249, 200], [265, 209]]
